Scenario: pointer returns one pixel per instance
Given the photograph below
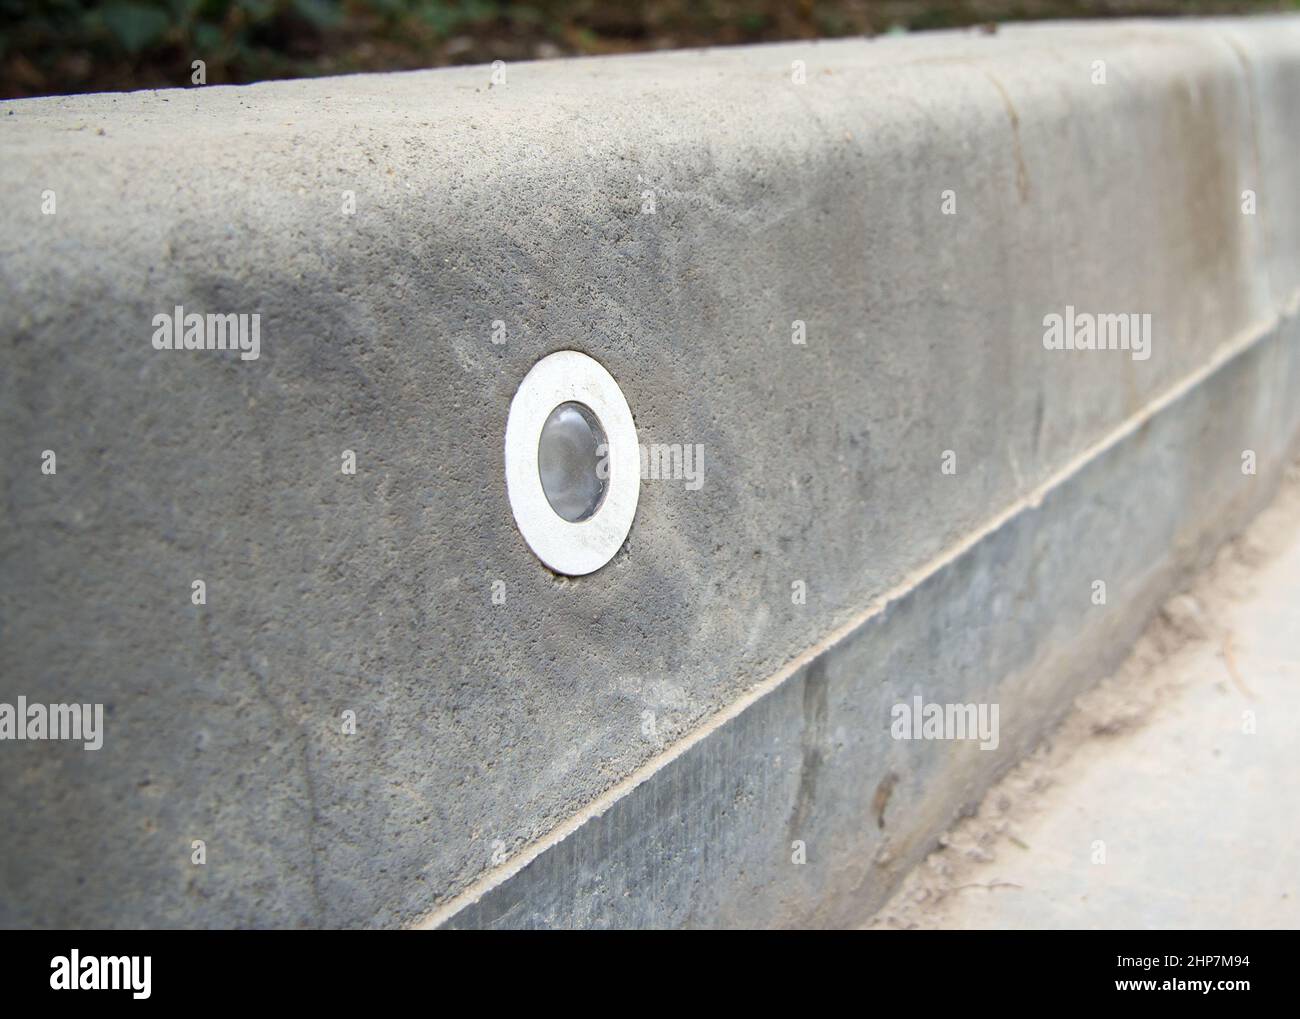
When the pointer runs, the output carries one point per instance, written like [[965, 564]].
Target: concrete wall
[[517, 731]]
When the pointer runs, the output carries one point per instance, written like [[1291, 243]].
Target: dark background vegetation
[[63, 46]]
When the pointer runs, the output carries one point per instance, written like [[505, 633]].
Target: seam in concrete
[[1240, 344]]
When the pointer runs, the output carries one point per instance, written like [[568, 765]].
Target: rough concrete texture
[[708, 839], [1164, 800], [489, 728]]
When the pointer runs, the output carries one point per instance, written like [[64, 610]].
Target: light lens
[[573, 461]]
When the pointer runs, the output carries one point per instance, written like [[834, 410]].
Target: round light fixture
[[573, 468]]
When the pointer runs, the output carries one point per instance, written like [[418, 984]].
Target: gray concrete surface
[[488, 731], [1168, 800], [707, 838]]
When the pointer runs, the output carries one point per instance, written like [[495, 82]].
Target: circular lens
[[573, 461]]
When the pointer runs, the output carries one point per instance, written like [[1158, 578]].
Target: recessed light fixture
[[573, 469]]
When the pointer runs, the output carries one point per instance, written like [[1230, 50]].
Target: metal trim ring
[[574, 549]]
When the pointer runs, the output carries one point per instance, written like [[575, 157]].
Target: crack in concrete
[[1022, 173]]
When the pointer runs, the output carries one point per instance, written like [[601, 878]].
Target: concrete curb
[[677, 217]]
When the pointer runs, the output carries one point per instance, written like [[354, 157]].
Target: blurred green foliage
[[62, 46]]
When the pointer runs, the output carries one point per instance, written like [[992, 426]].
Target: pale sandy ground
[[1199, 817]]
